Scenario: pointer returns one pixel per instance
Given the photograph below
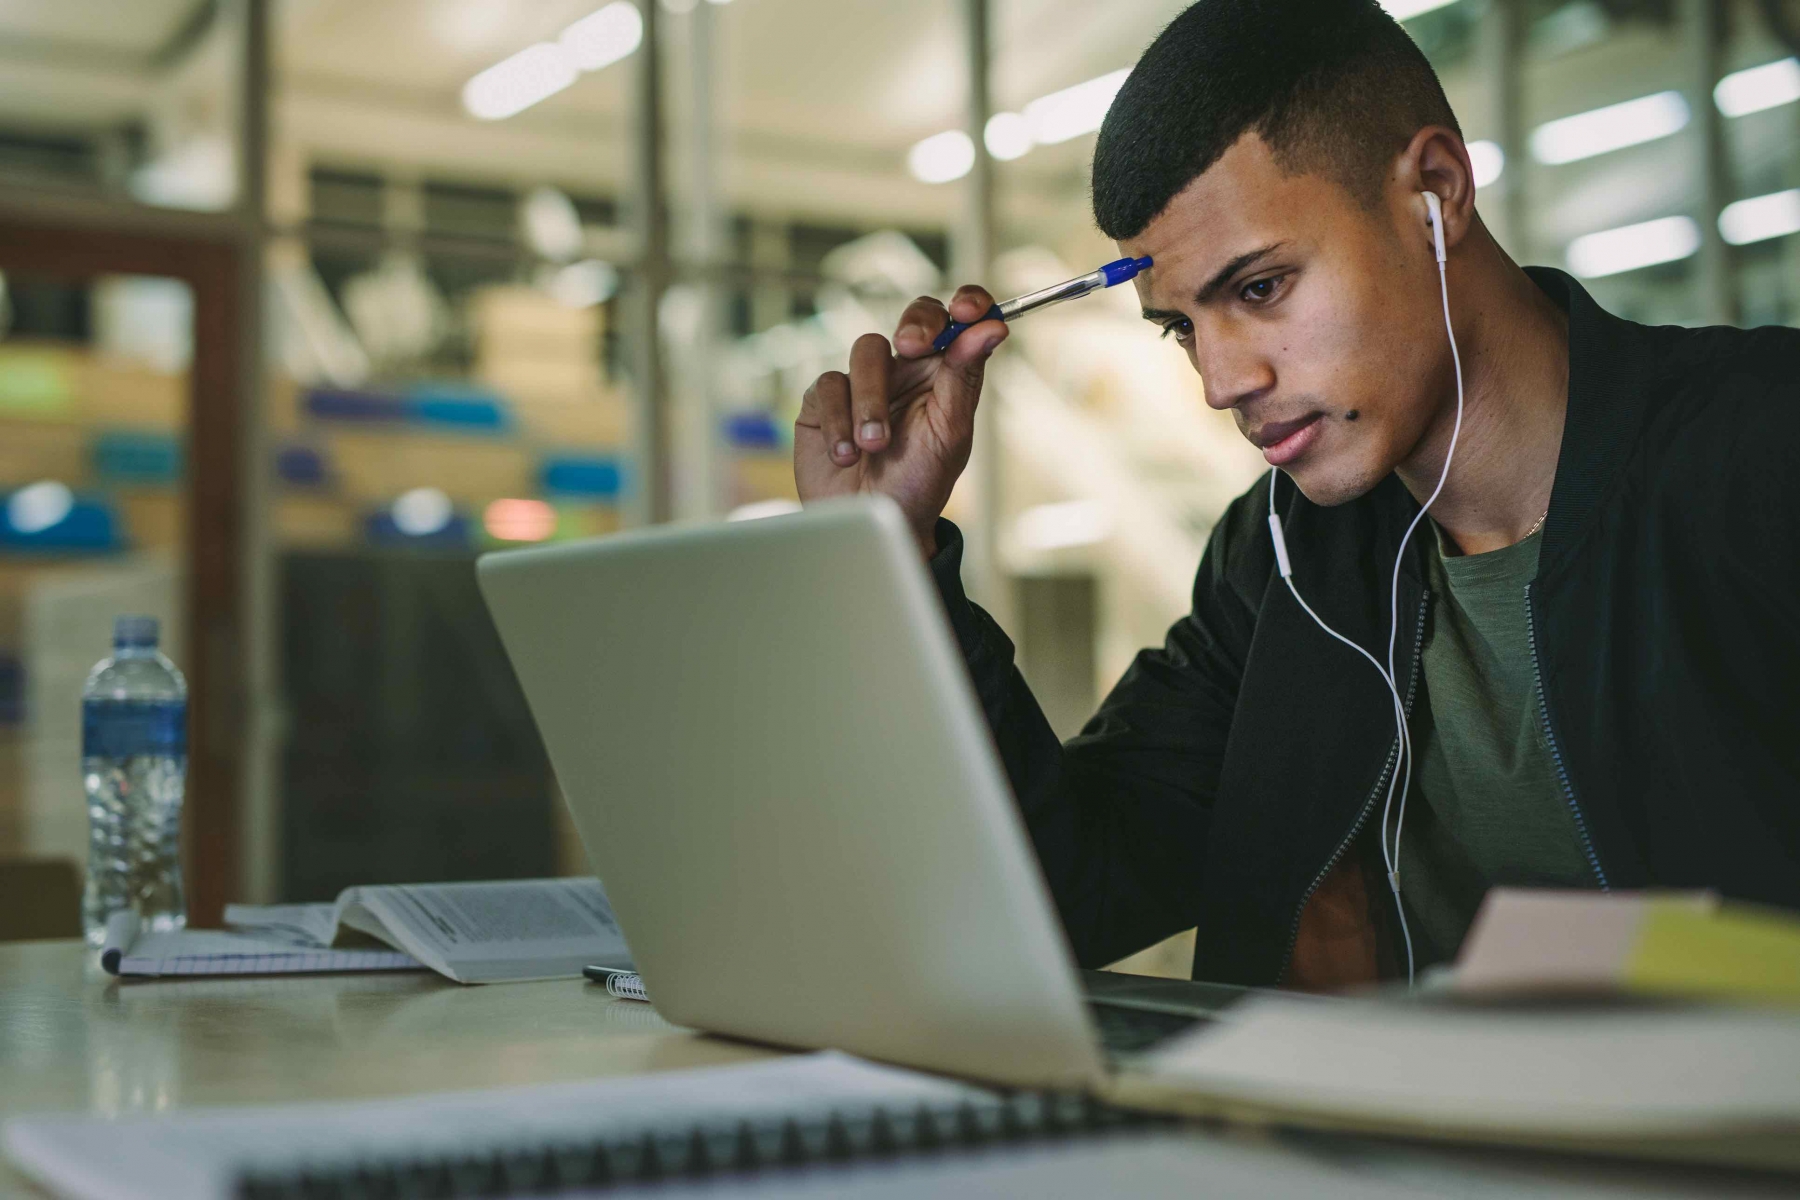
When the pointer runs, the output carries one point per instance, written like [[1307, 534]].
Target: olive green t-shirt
[[1486, 807]]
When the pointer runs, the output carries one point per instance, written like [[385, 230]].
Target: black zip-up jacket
[[1234, 769]]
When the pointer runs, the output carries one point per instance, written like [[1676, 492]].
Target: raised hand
[[903, 420]]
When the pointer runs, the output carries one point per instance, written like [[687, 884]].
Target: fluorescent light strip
[[1752, 90], [1630, 247], [1073, 111], [514, 84], [1761, 218], [539, 71], [1008, 136], [942, 157], [1614, 127], [1058, 117], [604, 36]]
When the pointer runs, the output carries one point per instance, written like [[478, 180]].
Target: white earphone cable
[[1449, 454], [1401, 780]]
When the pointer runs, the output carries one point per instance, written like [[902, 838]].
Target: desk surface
[[73, 1038]]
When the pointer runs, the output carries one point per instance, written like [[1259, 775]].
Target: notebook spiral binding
[[724, 1148], [627, 987]]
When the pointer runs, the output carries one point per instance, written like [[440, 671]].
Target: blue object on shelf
[[301, 466], [137, 456], [337, 404], [12, 690], [468, 409], [380, 529], [571, 476], [459, 406], [470, 416], [752, 431], [89, 527]]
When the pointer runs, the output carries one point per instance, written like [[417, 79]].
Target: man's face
[[1313, 318]]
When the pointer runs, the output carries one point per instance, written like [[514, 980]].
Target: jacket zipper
[[1362, 817], [1562, 771]]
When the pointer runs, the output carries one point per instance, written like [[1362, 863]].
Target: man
[[1598, 636]]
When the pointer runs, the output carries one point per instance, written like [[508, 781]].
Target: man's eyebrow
[[1220, 278], [1224, 274]]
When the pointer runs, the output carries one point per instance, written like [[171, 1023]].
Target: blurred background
[[306, 303]]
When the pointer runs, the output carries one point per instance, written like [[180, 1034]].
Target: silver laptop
[[770, 746]]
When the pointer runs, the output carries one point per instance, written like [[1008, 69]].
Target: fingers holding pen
[[969, 352], [920, 324], [971, 303]]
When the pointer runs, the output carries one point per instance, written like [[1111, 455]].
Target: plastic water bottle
[[134, 769]]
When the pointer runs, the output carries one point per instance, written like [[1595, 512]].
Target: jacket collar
[[1608, 373]]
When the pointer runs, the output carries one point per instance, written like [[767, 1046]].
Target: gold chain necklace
[[1537, 524]]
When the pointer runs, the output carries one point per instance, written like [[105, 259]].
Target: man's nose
[[1231, 381]]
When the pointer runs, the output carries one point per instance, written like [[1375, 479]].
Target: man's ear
[[1436, 160]]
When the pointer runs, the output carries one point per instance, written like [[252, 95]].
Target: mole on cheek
[[1352, 415]]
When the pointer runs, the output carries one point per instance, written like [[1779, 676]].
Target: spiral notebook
[[535, 1140]]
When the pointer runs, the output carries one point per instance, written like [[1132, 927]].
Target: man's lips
[[1283, 441]]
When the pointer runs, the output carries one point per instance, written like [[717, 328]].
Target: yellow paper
[[1734, 952]]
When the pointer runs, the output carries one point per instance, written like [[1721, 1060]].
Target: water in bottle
[[134, 769]]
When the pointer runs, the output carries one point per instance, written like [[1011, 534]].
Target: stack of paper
[[1688, 944]]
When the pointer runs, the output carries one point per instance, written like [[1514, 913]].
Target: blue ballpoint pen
[[1112, 273]]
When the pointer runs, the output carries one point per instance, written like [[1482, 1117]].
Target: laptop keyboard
[[1128, 1030]]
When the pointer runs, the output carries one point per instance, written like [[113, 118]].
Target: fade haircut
[[1335, 87]]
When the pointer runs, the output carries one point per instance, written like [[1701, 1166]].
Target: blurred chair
[[39, 898]]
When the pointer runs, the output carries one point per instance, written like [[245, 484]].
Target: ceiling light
[[1008, 136], [1061, 526], [1667, 239], [1761, 218], [1073, 111], [605, 36], [39, 506], [514, 84], [422, 512], [942, 157], [538, 72], [1757, 88], [1406, 10], [1611, 128], [1488, 160]]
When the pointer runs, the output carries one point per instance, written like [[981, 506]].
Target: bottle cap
[[135, 631]]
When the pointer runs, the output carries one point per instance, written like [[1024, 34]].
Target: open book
[[470, 932]]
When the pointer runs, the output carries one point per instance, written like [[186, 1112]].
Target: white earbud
[[1434, 212], [1401, 781]]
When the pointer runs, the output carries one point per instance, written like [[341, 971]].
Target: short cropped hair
[[1334, 87]]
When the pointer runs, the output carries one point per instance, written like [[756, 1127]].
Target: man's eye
[[1259, 291], [1180, 330]]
